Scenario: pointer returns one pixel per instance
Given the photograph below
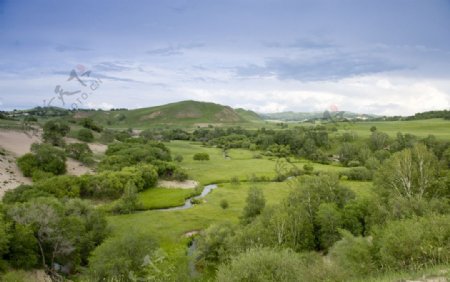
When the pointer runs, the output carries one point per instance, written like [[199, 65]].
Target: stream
[[188, 204]]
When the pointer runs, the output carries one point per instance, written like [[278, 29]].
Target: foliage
[[85, 135], [414, 243], [409, 173], [255, 204], [224, 204], [201, 157], [65, 232], [43, 157], [129, 201], [80, 151], [54, 132], [353, 254], [123, 257]]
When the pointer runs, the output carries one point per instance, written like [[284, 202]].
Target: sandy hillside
[[10, 175], [96, 148], [17, 142]]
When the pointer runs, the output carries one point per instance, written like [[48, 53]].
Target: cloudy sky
[[381, 56]]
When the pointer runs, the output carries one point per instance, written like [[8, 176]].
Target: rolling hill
[[181, 114]]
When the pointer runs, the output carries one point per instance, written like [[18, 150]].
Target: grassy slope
[[180, 115]]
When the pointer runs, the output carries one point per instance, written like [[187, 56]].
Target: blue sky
[[383, 57]]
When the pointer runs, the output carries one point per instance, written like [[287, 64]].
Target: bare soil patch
[[188, 184]]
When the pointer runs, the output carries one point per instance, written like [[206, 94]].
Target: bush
[[81, 152], [120, 257], [54, 131], [201, 157], [266, 265], [178, 158], [414, 243], [60, 186], [358, 173], [27, 164], [43, 157], [85, 135], [353, 254], [224, 204]]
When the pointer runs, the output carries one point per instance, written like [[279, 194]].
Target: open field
[[159, 198], [421, 128], [242, 163]]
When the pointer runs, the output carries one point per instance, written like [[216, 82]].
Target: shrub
[[54, 131], [358, 173], [43, 157], [27, 164], [119, 257], [85, 135], [224, 204], [81, 152], [178, 158], [353, 254], [60, 186], [414, 243], [201, 157], [264, 265]]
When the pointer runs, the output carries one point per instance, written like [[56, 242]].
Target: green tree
[[409, 173], [353, 254], [5, 237], [85, 135], [129, 201], [54, 132], [261, 265], [255, 205], [329, 220], [122, 258]]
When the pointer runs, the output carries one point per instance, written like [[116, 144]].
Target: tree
[[54, 132], [129, 201], [263, 264], [65, 232], [85, 135], [43, 157], [409, 173], [212, 244], [201, 157], [329, 220], [378, 140], [255, 204], [354, 254], [81, 152], [4, 239], [122, 258]]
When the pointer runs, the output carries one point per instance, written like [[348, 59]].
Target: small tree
[[54, 131], [85, 135], [201, 157], [129, 201], [224, 204], [255, 205]]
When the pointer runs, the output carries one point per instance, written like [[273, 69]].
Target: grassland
[[159, 198], [170, 227], [421, 128]]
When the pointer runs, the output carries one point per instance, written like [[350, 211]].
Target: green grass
[[361, 188], [421, 128], [241, 164], [158, 198], [176, 115]]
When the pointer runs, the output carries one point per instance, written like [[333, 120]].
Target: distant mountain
[[305, 116], [184, 113]]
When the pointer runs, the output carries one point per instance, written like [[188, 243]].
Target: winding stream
[[188, 204]]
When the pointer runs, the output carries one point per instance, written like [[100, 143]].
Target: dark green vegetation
[[312, 202]]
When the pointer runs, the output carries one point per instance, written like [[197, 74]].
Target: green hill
[[179, 114]]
